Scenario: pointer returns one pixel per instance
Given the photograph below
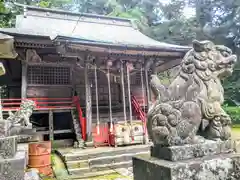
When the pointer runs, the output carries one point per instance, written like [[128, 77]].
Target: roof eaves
[[14, 32], [5, 36], [65, 39]]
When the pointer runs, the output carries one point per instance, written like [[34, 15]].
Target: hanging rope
[[129, 94], [96, 89], [110, 100], [123, 94]]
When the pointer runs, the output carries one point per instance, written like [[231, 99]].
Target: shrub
[[234, 112]]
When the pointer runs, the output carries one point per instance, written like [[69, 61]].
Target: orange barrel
[[40, 157]]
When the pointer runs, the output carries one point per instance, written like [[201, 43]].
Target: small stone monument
[[12, 161], [190, 131]]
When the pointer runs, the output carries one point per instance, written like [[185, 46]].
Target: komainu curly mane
[[192, 102]]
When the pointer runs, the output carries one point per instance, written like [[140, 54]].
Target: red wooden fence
[[50, 104], [139, 112]]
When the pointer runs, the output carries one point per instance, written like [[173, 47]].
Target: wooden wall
[[78, 84], [103, 96], [12, 78]]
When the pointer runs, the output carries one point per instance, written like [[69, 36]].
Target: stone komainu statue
[[18, 121], [22, 116], [190, 108]]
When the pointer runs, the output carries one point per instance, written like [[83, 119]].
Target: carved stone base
[[189, 151], [8, 147], [13, 168], [206, 162]]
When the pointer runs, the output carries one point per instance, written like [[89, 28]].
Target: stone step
[[115, 159], [98, 168], [91, 175], [92, 153], [103, 160], [77, 164]]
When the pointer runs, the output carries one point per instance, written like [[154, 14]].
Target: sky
[[189, 12]]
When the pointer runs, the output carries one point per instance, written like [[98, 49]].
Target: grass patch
[[236, 126], [111, 176], [58, 166]]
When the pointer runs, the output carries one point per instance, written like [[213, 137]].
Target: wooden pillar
[[96, 91], [123, 93], [129, 92], [1, 114], [147, 87], [88, 103], [51, 127], [109, 99], [149, 63], [143, 89], [24, 80]]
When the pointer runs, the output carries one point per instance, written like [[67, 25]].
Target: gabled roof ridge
[[58, 11], [5, 36]]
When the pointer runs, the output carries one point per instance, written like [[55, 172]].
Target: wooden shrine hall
[[88, 74]]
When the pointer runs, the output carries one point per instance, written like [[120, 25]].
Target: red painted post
[[82, 120]]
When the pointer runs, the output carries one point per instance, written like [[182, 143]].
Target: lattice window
[[49, 75], [136, 79]]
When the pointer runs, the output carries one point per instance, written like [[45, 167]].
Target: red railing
[[82, 119], [50, 104], [139, 112], [41, 103]]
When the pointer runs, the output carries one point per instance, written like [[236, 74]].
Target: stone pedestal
[[207, 161], [12, 162]]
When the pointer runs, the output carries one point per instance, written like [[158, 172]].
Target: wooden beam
[[115, 57], [112, 56], [123, 51], [64, 131], [47, 51], [74, 49]]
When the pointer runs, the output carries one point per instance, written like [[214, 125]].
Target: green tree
[[5, 15], [134, 13], [173, 26]]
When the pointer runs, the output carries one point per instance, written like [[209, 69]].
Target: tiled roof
[[84, 28], [4, 36]]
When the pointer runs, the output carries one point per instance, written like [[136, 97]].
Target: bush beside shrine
[[234, 112]]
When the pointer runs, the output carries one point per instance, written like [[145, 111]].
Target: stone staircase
[[96, 161], [76, 125]]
